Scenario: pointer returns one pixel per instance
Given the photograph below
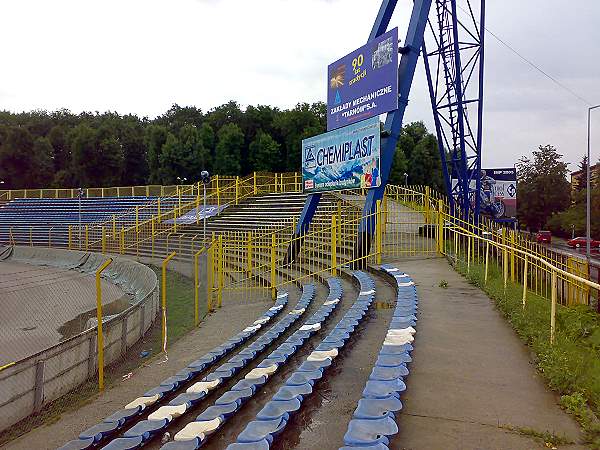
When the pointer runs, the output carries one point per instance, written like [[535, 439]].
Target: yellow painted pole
[[553, 308], [137, 218], [487, 254], [255, 189], [164, 300], [440, 233], [426, 200], [512, 256], [218, 191], [468, 254], [196, 287], [525, 281], [152, 230], [175, 220], [221, 267], [273, 256], [158, 208], [86, 237], [237, 189], [333, 245], [210, 268], [249, 251], [103, 239], [198, 208], [100, 338], [122, 243], [505, 267], [70, 237], [114, 226], [378, 231]]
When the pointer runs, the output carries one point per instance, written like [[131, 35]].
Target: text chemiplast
[[345, 151]]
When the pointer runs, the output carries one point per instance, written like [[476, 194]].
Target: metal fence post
[[255, 189], [512, 256], [553, 308], [210, 268], [333, 246], [237, 189], [99, 318], [196, 288], [440, 228], [38, 394], [221, 268], [122, 243], [525, 281], [249, 251], [164, 300], [487, 255], [273, 257], [378, 236], [426, 200], [87, 237], [103, 239], [469, 254]]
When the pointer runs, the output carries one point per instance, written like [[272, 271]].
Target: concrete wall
[[28, 384]]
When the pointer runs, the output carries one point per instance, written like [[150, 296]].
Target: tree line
[[62, 149], [544, 199]]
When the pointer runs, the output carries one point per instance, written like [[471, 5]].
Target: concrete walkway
[[471, 376]]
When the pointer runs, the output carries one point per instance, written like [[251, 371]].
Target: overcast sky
[[141, 56]]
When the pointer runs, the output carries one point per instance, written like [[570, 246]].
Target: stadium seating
[[117, 421], [274, 416], [373, 421], [32, 218], [228, 402], [196, 433]]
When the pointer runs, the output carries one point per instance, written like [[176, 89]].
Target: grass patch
[[571, 366], [180, 320], [549, 439]]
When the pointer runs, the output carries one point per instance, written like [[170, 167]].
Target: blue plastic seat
[[403, 356], [189, 398], [288, 392], [371, 408], [234, 396], [388, 373], [383, 389], [99, 431], [175, 380], [249, 384], [258, 430], [309, 366], [303, 377], [146, 428], [123, 415], [278, 408], [370, 432], [390, 360], [222, 411], [160, 390], [124, 443]]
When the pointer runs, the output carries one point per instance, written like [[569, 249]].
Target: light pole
[[79, 196], [205, 178], [588, 190], [405, 179]]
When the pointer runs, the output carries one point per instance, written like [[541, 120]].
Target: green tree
[[155, 138], [170, 160], [261, 152], [229, 150], [207, 135], [195, 156], [543, 187]]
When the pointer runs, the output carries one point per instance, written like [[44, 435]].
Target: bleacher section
[[30, 219], [373, 421], [93, 436], [273, 418]]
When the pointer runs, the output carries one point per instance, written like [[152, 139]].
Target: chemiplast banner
[[363, 83], [346, 158]]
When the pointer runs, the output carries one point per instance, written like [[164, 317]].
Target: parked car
[[580, 242], [543, 236]]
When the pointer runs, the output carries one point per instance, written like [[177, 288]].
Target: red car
[[543, 236], [580, 242]]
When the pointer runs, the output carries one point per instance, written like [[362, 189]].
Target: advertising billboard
[[498, 192], [346, 158], [363, 83]]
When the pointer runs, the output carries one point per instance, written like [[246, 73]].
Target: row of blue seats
[[272, 419], [159, 420], [196, 433], [133, 410], [374, 420]]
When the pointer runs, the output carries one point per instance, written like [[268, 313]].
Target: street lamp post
[[405, 179], [588, 190]]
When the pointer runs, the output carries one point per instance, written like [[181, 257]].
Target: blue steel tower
[[454, 68], [453, 57]]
